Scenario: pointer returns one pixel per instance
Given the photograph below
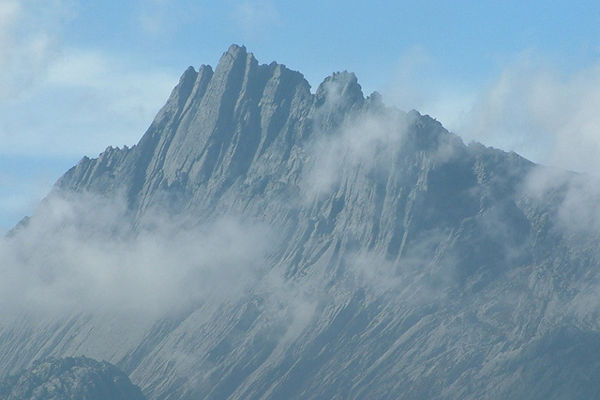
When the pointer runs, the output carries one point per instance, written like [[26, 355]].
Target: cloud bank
[[530, 107], [29, 40], [109, 100], [82, 257]]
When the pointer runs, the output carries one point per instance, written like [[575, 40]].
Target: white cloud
[[61, 102], [409, 87], [254, 17], [57, 100], [360, 141], [540, 113], [9, 11], [158, 18], [29, 39], [367, 142], [529, 107], [77, 260], [574, 198], [152, 16], [87, 101], [20, 194]]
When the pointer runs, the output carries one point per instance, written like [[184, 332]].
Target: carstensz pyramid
[[337, 248]]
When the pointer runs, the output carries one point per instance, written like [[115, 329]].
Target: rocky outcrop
[[70, 378]]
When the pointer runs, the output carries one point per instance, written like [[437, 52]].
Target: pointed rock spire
[[183, 89], [340, 85]]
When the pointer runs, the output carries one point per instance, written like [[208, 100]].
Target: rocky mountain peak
[[340, 84], [376, 241], [236, 51]]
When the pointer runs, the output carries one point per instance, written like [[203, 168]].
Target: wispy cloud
[[367, 142], [164, 17], [86, 101], [57, 100], [532, 108], [547, 115], [153, 16], [254, 17], [29, 39], [409, 87], [74, 260]]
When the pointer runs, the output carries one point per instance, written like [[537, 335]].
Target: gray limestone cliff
[[406, 263]]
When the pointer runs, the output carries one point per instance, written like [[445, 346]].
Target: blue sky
[[77, 76]]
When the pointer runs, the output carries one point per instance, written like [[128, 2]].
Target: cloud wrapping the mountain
[[368, 141], [81, 258], [575, 197], [547, 116]]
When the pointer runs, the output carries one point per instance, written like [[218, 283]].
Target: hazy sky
[[77, 76]]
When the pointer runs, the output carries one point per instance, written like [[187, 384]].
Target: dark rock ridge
[[70, 378], [410, 265], [237, 128]]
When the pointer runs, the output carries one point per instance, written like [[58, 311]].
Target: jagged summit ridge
[[217, 126]]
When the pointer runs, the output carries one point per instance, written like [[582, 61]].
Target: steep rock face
[[70, 378], [406, 264], [211, 131]]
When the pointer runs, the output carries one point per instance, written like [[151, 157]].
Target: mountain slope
[[319, 245]]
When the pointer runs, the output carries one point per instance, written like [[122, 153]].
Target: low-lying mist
[[80, 256]]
